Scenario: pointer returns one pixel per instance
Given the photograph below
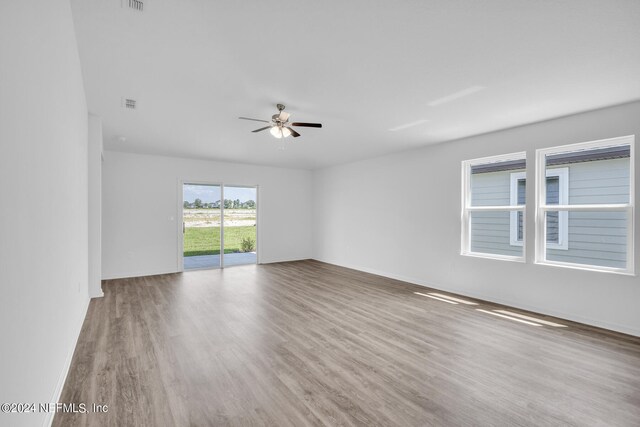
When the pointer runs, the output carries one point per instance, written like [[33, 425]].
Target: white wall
[[140, 218], [43, 208], [399, 216], [95, 151]]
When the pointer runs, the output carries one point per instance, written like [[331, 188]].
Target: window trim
[[467, 209], [541, 208]]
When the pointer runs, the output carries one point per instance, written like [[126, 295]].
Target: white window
[[487, 207], [585, 205], [557, 194]]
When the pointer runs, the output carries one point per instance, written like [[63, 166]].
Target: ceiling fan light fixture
[[280, 132], [276, 131]]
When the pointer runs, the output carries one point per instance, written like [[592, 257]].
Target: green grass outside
[[206, 240]]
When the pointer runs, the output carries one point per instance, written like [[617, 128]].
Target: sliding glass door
[[240, 225], [216, 217], [201, 226]]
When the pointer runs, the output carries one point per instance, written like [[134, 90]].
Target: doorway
[[219, 225]]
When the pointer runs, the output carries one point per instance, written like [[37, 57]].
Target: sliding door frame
[[180, 218]]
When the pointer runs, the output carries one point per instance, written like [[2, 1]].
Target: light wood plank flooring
[[307, 343]]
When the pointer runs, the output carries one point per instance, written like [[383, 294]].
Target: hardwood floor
[[307, 343]]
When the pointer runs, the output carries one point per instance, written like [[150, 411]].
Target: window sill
[[558, 247], [585, 267], [494, 256]]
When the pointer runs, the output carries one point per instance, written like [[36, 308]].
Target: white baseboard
[[490, 298], [284, 260], [67, 364], [130, 274], [98, 295]]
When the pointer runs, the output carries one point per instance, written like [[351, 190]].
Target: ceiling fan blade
[[293, 132], [284, 116], [307, 125], [255, 120], [261, 129]]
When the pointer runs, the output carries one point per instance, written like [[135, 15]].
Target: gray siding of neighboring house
[[595, 238], [490, 230]]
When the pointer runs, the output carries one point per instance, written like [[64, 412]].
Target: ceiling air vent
[[137, 5], [129, 104]]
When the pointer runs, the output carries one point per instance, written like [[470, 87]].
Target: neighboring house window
[[557, 194], [517, 192], [487, 207], [585, 205]]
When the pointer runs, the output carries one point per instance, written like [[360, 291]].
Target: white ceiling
[[381, 76]]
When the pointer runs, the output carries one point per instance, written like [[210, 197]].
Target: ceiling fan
[[279, 125]]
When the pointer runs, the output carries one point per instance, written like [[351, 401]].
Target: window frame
[[467, 209], [563, 199], [541, 208]]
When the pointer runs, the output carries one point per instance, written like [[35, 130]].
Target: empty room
[[297, 213]]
